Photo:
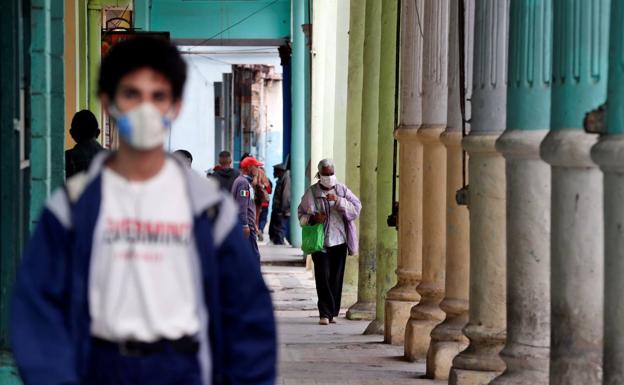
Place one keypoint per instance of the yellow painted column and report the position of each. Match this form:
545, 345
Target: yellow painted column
95, 53
402, 297
447, 339
71, 70
427, 314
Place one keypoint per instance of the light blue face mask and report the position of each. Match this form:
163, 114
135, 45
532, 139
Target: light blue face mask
143, 127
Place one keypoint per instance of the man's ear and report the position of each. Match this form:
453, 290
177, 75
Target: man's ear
105, 103
177, 106
97, 134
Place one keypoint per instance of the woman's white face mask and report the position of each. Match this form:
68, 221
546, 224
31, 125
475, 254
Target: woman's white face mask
328, 181
143, 127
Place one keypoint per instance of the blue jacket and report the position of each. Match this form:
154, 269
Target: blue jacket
243, 193
50, 322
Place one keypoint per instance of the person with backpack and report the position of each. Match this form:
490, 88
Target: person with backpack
333, 205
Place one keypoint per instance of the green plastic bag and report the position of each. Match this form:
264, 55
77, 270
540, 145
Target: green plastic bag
312, 238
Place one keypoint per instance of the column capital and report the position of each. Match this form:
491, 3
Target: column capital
481, 143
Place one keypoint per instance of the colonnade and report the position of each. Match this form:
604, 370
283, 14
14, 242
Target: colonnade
505, 284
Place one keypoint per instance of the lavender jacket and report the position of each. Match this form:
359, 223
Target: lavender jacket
348, 204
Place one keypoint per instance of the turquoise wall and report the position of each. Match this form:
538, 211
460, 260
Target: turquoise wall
263, 19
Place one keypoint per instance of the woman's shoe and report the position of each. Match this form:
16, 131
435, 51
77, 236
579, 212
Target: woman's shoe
324, 321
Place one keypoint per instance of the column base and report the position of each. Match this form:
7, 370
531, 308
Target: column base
8, 371
361, 311
470, 377
417, 339
440, 358
375, 327
397, 314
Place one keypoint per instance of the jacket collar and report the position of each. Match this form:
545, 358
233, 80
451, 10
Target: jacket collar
203, 192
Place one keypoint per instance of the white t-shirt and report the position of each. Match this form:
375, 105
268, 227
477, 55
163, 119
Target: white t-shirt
142, 284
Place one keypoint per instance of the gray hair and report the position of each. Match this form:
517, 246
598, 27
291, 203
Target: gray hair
327, 162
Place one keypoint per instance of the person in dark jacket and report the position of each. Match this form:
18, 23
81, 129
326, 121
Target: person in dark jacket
223, 172
280, 211
137, 271
84, 130
244, 194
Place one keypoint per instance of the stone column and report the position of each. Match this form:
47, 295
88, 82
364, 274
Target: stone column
480, 362
355, 83
402, 297
447, 339
608, 153
427, 314
386, 236
364, 308
579, 85
528, 195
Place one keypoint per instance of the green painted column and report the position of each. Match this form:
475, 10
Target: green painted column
527, 350
386, 245
94, 52
608, 154
83, 57
580, 66
297, 146
355, 82
365, 305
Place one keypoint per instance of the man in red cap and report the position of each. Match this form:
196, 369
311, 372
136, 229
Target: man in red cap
243, 192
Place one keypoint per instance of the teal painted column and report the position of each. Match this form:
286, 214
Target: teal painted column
57, 95
580, 63
40, 106
297, 146
528, 194
141, 10
608, 153
386, 245
365, 305
12, 200
355, 82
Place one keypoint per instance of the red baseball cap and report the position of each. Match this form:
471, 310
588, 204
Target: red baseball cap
250, 161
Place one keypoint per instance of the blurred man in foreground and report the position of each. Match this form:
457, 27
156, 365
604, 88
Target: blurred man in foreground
133, 274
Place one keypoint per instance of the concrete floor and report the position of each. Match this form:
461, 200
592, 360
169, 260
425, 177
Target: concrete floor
311, 354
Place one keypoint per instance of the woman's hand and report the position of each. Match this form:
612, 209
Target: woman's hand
319, 218
331, 197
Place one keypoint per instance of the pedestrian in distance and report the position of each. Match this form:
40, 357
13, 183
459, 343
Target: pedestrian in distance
332, 204
244, 194
280, 210
84, 130
223, 171
185, 156
133, 274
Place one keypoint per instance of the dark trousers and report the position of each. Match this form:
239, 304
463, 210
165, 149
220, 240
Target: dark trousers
109, 367
276, 228
264, 213
329, 272
253, 243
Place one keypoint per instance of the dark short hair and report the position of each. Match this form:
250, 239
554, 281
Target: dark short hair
225, 154
142, 52
84, 126
185, 154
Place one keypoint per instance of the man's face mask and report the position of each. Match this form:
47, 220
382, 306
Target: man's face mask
143, 127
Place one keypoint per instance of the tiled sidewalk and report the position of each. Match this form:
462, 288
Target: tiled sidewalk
311, 354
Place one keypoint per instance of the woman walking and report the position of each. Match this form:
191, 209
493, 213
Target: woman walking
332, 204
